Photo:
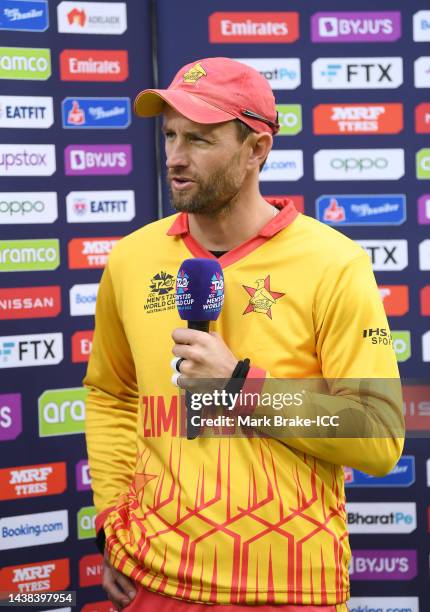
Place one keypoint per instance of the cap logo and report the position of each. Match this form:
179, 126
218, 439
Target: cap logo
194, 74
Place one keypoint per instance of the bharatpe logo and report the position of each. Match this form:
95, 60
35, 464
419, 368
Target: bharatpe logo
86, 519
27, 160
31, 350
423, 164
355, 119
357, 72
62, 412
33, 529
25, 63
383, 565
359, 164
100, 206
29, 255
402, 475
28, 207
83, 299
383, 604
93, 113
424, 254
290, 119
24, 15
92, 17
81, 160
356, 27
93, 65
381, 517
283, 165
256, 27
386, 255
26, 112
422, 72
362, 209
281, 73
421, 21
10, 416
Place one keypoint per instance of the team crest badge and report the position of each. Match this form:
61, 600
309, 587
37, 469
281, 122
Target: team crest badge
194, 74
262, 297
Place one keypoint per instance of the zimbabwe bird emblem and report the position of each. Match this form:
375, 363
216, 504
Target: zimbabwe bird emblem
262, 297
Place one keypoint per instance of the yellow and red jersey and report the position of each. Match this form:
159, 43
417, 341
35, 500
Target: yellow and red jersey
232, 520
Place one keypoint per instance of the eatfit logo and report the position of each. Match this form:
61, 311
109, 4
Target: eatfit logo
81, 160
25, 63
356, 26
357, 72
92, 17
27, 160
354, 119
100, 206
26, 112
93, 65
257, 27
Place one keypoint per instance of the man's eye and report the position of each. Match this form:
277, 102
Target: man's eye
197, 139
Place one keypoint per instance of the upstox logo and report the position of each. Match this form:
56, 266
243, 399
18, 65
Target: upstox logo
25, 63
27, 160
29, 255
289, 118
86, 523
62, 412
31, 350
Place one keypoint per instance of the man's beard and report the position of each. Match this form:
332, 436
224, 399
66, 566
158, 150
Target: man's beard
213, 197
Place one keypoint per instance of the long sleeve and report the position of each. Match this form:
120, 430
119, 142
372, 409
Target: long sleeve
360, 372
111, 408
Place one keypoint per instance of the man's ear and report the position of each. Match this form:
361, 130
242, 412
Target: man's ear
260, 146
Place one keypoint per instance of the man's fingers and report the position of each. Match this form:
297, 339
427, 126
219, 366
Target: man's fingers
184, 350
126, 584
115, 594
183, 335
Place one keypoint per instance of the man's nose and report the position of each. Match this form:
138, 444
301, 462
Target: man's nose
176, 155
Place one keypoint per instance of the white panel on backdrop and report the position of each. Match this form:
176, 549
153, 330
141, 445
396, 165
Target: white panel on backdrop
28, 207
92, 17
26, 112
33, 529
357, 72
281, 72
283, 165
359, 164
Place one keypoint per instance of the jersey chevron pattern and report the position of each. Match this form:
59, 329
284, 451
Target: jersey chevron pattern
231, 520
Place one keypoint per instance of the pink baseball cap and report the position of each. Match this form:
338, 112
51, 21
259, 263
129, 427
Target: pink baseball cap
214, 90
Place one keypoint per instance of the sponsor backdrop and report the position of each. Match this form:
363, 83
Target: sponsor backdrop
78, 172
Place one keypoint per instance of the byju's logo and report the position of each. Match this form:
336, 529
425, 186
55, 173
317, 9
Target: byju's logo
381, 517
81, 160
402, 475
62, 412
93, 65
383, 565
25, 63
424, 209
83, 299
92, 17
362, 209
283, 165
100, 206
258, 27
290, 119
282, 73
31, 350
356, 27
10, 415
33, 529
28, 207
29, 255
357, 73
24, 16
386, 255
26, 112
96, 113
383, 604
83, 476
421, 22
90, 252
27, 160
354, 119
359, 164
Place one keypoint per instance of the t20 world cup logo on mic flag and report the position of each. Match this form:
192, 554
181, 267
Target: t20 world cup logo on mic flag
199, 290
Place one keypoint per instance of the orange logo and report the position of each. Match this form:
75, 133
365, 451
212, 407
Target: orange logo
395, 299
353, 119
262, 298
39, 576
425, 301
82, 343
76, 17
297, 200
422, 118
90, 570
90, 252
334, 212
93, 65
30, 302
32, 480
260, 27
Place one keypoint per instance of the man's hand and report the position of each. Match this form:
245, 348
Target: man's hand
206, 355
119, 588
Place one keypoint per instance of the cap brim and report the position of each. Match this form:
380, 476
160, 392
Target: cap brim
150, 103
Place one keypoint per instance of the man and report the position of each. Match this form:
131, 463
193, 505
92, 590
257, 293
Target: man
230, 521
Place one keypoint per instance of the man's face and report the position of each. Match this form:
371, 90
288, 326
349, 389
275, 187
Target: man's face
206, 164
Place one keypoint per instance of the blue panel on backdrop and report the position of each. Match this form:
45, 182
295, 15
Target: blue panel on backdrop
96, 113
24, 15
403, 475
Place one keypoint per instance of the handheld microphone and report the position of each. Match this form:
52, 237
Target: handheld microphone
199, 294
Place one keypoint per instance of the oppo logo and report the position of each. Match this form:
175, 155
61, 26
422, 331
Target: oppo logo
23, 207
364, 163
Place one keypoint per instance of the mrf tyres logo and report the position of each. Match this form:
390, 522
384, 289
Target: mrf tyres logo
161, 294
31, 350
33, 529
62, 412
355, 119
90, 252
33, 480
53, 575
